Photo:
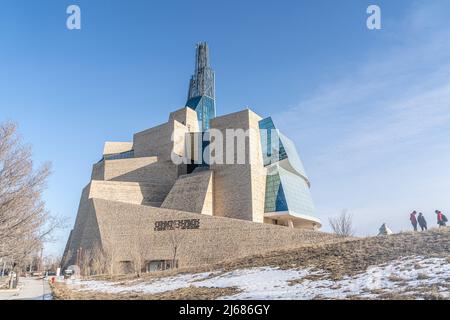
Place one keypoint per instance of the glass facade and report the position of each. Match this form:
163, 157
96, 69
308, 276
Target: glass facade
287, 186
201, 95
205, 108
292, 155
297, 193
117, 156
275, 198
272, 146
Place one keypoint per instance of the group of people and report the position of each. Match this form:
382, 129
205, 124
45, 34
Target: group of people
420, 219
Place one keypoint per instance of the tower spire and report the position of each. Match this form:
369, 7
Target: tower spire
201, 95
202, 82
202, 55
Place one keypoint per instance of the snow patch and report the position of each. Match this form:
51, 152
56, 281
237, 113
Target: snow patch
399, 276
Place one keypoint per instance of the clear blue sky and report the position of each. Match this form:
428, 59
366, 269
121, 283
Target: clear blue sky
368, 110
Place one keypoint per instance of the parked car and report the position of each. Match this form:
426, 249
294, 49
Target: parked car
68, 273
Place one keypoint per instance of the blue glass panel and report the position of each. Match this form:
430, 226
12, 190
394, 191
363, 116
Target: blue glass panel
292, 155
122, 155
271, 153
288, 188
281, 203
205, 108
275, 199
296, 192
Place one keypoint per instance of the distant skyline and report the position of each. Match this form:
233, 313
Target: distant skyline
369, 111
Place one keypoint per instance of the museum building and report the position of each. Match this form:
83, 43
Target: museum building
142, 199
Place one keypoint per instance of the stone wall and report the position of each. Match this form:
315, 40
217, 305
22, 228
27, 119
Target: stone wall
86, 233
145, 193
144, 169
240, 188
187, 117
192, 193
161, 141
120, 207
217, 239
116, 147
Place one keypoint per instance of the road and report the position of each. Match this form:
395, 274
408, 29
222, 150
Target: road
30, 289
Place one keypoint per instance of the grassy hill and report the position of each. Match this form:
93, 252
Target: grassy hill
406, 265
353, 256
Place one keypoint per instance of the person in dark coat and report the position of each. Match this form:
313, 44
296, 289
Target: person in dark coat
422, 222
413, 219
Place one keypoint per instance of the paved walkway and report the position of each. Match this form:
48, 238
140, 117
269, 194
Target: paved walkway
29, 289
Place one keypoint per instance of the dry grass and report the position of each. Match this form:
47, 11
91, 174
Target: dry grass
396, 296
426, 292
353, 256
422, 276
4, 283
346, 258
395, 278
311, 277
62, 292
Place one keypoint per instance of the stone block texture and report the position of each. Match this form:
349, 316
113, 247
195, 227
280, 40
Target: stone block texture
217, 239
192, 193
131, 195
242, 186
117, 147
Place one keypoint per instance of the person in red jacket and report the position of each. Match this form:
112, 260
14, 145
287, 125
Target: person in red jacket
441, 219
413, 219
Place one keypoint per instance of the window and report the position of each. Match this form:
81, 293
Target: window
122, 155
160, 265
271, 154
275, 198
205, 108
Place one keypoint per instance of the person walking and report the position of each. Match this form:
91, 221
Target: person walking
422, 222
413, 219
441, 219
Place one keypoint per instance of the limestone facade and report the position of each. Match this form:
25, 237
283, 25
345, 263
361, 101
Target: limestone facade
139, 196
216, 239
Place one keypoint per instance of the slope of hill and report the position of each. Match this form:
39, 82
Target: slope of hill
402, 266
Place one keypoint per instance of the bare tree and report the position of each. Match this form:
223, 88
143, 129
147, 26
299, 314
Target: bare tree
24, 221
176, 239
110, 249
110, 260
66, 258
343, 225
98, 261
51, 263
84, 262
139, 252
